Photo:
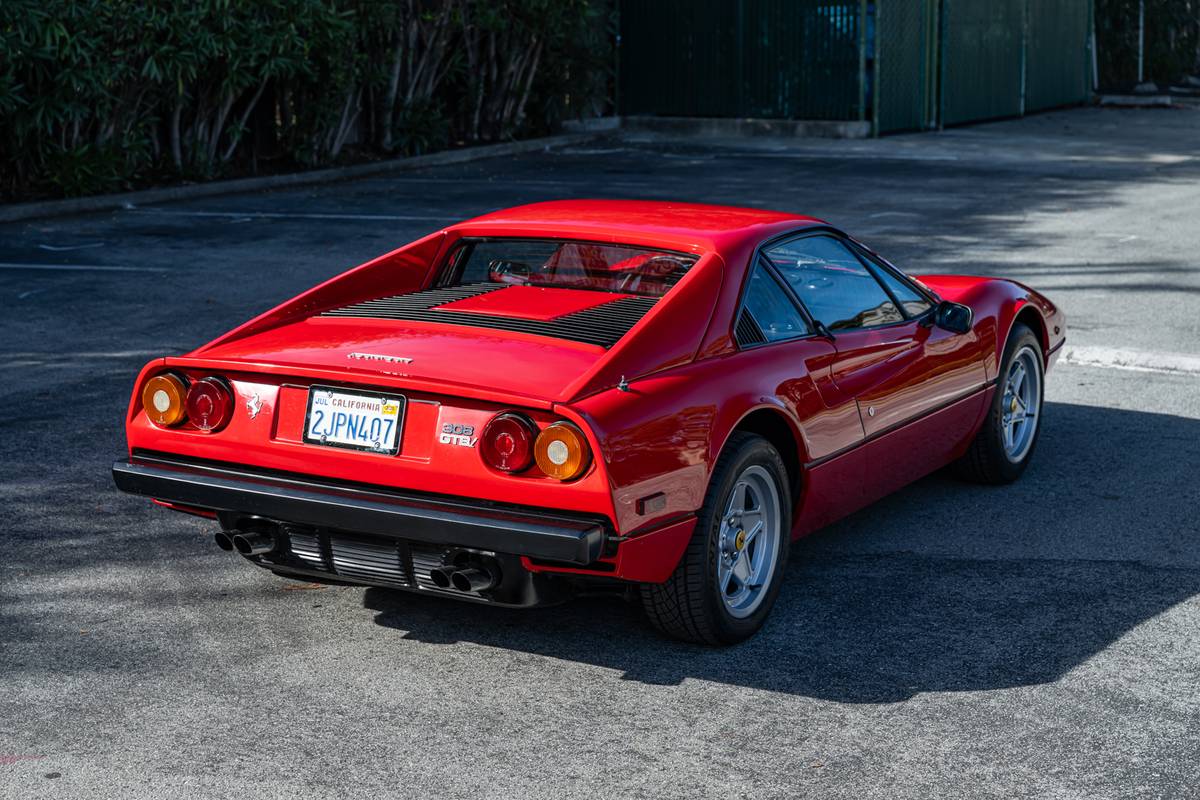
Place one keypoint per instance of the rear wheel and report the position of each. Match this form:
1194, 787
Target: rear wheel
1004, 445
728, 578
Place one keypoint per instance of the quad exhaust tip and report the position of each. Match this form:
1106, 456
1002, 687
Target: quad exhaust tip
224, 540
253, 544
441, 575
472, 579
475, 577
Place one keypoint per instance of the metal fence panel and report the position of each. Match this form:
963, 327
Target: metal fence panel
780, 59
801, 59
677, 58
981, 59
905, 65
921, 62
1057, 53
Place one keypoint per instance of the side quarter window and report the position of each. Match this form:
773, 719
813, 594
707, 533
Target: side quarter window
771, 309
835, 286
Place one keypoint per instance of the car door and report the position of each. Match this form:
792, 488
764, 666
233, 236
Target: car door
903, 371
784, 351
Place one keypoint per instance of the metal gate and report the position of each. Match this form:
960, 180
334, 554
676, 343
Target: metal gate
915, 64
982, 47
780, 59
905, 60
1057, 69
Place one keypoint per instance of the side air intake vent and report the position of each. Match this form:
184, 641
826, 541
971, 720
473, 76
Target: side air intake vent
748, 332
602, 325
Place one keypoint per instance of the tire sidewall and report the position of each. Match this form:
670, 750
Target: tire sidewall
759, 452
1020, 337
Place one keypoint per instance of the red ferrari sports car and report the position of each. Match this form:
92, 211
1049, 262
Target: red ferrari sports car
652, 398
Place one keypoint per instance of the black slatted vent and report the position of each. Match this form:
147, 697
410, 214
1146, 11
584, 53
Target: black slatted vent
748, 332
602, 325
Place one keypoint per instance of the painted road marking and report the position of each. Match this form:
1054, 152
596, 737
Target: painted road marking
79, 267
67, 247
244, 215
72, 360
1133, 360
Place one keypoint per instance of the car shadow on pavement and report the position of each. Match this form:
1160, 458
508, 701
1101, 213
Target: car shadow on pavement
944, 586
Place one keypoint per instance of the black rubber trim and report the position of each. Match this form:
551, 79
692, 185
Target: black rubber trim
381, 512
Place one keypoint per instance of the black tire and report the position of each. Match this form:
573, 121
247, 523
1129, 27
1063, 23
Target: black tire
689, 605
985, 460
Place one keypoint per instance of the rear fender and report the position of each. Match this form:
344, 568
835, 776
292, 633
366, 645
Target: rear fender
660, 440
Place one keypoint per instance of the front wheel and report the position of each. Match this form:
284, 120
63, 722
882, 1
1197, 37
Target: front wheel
1004, 445
728, 578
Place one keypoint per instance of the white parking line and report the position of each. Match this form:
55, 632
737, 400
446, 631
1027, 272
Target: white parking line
833, 155
98, 354
163, 212
73, 360
79, 267
68, 247
1133, 360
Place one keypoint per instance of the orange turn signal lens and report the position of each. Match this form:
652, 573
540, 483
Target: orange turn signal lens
163, 400
562, 452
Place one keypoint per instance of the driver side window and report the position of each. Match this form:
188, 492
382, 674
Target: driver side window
834, 285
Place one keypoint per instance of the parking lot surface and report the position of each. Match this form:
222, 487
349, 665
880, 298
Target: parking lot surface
1038, 640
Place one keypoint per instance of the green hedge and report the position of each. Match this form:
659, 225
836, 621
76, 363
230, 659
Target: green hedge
102, 95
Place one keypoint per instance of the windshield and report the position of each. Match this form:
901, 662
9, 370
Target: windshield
569, 265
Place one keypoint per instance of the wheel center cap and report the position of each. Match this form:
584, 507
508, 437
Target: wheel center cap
739, 541
1012, 406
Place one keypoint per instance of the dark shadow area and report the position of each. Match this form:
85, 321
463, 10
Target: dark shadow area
1014, 609
943, 586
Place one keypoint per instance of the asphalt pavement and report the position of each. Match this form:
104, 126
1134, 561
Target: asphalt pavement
1038, 640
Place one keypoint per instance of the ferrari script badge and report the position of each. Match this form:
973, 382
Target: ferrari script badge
377, 357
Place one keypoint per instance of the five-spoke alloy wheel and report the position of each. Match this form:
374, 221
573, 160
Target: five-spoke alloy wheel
1004, 445
728, 578
748, 541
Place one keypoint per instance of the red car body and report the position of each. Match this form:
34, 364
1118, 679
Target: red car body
854, 417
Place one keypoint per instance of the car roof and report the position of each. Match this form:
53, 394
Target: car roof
646, 222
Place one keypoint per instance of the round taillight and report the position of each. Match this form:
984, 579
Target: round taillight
163, 400
507, 442
209, 404
562, 452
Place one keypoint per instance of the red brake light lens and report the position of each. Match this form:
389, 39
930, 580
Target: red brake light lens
209, 404
507, 442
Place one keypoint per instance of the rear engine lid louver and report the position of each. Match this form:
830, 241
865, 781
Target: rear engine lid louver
602, 325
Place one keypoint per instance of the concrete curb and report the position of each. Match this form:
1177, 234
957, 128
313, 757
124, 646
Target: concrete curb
728, 127
108, 202
1136, 100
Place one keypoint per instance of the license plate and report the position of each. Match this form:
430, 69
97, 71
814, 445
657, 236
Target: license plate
355, 420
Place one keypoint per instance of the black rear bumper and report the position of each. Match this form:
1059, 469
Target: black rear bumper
370, 510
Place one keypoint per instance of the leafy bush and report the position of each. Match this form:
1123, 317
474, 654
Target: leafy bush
100, 95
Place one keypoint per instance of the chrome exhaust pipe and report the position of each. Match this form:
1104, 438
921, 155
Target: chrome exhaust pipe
473, 579
224, 540
254, 543
441, 575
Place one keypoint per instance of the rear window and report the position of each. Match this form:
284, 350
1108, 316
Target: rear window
568, 265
